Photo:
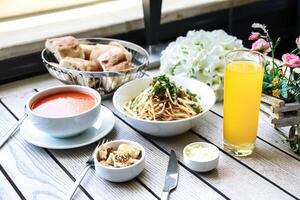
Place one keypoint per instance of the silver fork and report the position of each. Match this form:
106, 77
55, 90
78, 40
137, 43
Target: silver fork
89, 164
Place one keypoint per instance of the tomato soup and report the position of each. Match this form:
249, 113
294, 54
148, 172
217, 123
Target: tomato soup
63, 104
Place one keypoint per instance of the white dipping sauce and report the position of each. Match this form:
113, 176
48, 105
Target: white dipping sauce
201, 151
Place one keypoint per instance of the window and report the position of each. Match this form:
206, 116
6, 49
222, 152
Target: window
12, 9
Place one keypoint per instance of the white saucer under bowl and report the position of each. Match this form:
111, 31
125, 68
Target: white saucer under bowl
100, 128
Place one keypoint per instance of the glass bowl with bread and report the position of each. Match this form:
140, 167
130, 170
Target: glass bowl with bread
100, 63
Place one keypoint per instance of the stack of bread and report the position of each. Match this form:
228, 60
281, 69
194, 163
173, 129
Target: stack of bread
84, 57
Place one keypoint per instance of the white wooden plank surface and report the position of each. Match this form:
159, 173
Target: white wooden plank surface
156, 164
26, 84
153, 177
6, 190
267, 161
189, 186
229, 174
271, 163
33, 171
75, 162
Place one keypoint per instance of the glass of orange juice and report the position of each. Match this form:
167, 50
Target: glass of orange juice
242, 91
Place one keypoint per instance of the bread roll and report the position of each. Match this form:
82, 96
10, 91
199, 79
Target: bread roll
98, 50
122, 66
127, 53
114, 60
87, 49
132, 150
79, 64
62, 47
110, 58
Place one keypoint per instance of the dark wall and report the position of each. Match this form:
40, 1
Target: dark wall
281, 17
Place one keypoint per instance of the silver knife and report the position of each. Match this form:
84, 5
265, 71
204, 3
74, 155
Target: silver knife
171, 176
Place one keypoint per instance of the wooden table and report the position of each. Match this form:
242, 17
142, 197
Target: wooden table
29, 172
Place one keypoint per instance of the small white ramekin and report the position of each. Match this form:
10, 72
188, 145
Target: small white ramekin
201, 165
120, 174
63, 127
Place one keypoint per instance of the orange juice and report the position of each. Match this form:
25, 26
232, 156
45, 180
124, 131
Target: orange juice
242, 92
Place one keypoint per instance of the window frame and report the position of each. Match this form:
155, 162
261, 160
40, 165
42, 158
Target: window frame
195, 16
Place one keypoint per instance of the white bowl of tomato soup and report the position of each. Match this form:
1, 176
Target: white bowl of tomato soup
64, 111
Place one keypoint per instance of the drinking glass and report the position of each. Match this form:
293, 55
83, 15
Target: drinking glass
242, 92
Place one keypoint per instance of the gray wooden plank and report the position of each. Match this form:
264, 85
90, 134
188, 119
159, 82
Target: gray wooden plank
265, 131
33, 171
74, 163
6, 189
156, 164
270, 162
25, 84
230, 173
152, 177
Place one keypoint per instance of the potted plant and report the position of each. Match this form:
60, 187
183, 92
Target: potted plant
281, 82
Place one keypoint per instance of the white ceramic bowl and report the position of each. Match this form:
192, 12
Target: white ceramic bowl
62, 127
202, 164
120, 174
163, 128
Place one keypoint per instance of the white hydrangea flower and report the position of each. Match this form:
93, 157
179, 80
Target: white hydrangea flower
200, 55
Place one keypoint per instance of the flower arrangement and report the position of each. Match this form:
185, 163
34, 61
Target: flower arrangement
200, 55
280, 80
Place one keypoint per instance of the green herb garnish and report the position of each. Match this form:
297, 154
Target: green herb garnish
196, 108
161, 84
134, 102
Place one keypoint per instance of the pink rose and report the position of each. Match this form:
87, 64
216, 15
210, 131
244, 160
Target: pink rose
291, 60
298, 42
254, 36
261, 45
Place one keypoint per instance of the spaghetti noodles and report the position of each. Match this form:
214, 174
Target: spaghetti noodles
164, 101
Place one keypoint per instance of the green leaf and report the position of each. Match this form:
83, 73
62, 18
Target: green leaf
277, 42
268, 78
296, 88
296, 76
267, 85
298, 98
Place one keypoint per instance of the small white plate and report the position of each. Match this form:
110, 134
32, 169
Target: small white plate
100, 128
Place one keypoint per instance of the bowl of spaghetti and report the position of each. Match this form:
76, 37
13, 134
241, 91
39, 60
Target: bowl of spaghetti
163, 105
